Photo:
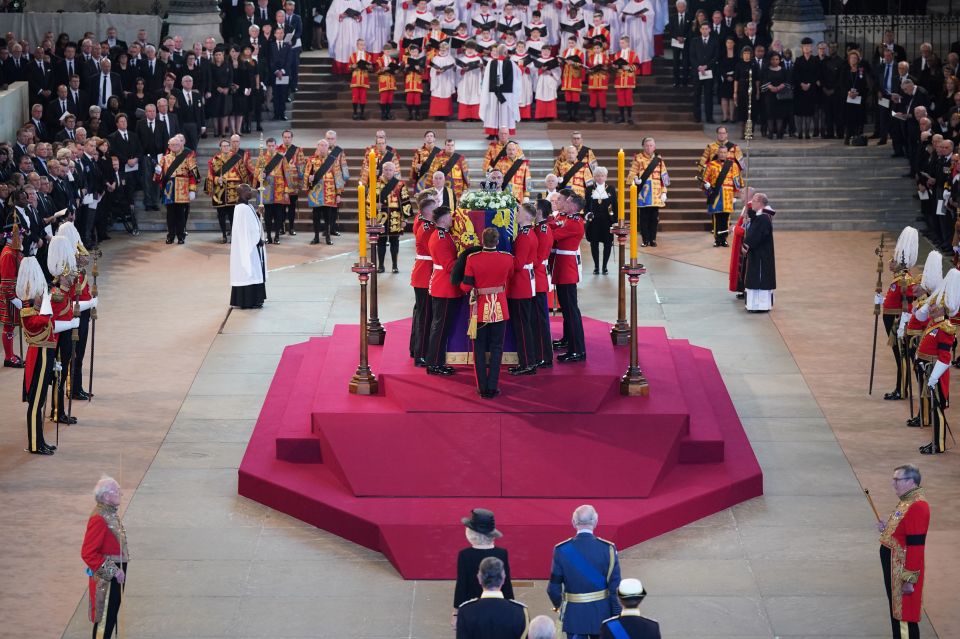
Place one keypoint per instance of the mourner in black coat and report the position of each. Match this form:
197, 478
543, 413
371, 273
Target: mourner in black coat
601, 213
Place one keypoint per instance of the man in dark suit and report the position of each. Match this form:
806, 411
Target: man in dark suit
704, 55
93, 177
153, 136
152, 70
44, 133
168, 119
40, 78
491, 616
926, 69
59, 193
915, 101
69, 65
899, 53
125, 145
20, 146
246, 20
887, 83
89, 63
105, 84
69, 130
78, 99
15, 67
56, 107
263, 13
113, 41
293, 28
282, 58
190, 112
751, 38
678, 30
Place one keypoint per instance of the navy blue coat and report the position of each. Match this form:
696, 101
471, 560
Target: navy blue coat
585, 564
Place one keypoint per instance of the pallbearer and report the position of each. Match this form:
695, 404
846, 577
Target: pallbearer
325, 184
393, 213
445, 298
104, 551
568, 230
893, 302
423, 228
721, 183
541, 275
522, 291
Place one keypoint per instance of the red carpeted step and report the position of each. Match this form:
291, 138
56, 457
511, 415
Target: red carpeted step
704, 443
295, 442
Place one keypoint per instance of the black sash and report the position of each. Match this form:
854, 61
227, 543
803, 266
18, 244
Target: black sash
647, 172
386, 190
272, 164
291, 150
335, 152
508, 176
499, 156
387, 157
452, 162
326, 166
428, 162
229, 164
506, 86
570, 173
718, 187
177, 161
584, 150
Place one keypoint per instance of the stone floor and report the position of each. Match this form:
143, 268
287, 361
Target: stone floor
179, 384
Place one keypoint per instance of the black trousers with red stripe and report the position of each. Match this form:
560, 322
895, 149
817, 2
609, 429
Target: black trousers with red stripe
541, 328
572, 320
443, 311
488, 354
420, 330
521, 316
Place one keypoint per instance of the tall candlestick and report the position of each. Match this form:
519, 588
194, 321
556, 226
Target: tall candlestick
633, 222
621, 194
372, 190
362, 202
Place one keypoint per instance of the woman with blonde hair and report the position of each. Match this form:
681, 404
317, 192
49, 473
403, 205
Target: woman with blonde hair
482, 533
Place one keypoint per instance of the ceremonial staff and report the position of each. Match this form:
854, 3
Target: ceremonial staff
872, 505
748, 128
876, 316
95, 271
17, 246
904, 343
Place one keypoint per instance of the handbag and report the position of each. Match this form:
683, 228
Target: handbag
786, 93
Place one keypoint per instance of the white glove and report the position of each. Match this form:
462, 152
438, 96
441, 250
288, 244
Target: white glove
157, 170
193, 196
94, 302
75, 322
85, 305
946, 194
56, 366
664, 196
60, 326
922, 313
938, 370
877, 298
17, 302
904, 318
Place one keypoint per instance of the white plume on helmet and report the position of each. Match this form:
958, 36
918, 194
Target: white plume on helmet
947, 295
932, 272
908, 244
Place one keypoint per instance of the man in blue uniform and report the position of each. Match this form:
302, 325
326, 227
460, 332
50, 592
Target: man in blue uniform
491, 616
584, 578
629, 624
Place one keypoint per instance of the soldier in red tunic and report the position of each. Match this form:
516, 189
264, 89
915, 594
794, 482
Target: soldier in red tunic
104, 551
423, 228
568, 230
487, 273
10, 258
897, 300
912, 328
902, 542
444, 296
522, 292
541, 324
62, 265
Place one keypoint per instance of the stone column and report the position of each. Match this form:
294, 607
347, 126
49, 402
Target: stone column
794, 20
194, 20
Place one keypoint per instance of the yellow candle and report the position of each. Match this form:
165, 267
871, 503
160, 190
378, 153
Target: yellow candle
372, 191
633, 221
621, 194
362, 202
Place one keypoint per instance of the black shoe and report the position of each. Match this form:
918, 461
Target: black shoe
445, 371
381, 269
49, 447
16, 362
276, 240
41, 451
223, 240
420, 362
181, 241
928, 450
559, 343
653, 243
596, 271
892, 396
547, 363
914, 422
282, 232
81, 395
571, 357
293, 231
740, 296
605, 272
315, 240
336, 233
523, 370
395, 270
66, 419
490, 394
169, 240
329, 242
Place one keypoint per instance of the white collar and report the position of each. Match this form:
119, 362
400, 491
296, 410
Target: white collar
491, 594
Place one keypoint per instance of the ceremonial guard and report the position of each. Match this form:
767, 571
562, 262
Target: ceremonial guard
104, 551
424, 159
492, 616
568, 230
902, 543
454, 168
517, 175
896, 301
40, 332
393, 213
273, 175
62, 265
571, 80
225, 172
486, 274
649, 172
629, 624
584, 577
522, 291
734, 152
574, 172
420, 275
10, 258
178, 177
496, 156
86, 301
626, 67
912, 328
544, 284
325, 182
444, 296
383, 152
297, 161
721, 183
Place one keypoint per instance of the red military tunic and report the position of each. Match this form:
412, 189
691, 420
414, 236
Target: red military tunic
104, 550
936, 345
9, 267
61, 300
38, 333
443, 252
523, 282
488, 271
893, 299
423, 263
567, 234
905, 536
915, 326
544, 248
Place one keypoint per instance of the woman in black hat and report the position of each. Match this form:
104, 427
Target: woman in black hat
482, 533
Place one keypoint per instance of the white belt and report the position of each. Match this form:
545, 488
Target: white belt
424, 257
529, 267
561, 252
438, 267
546, 262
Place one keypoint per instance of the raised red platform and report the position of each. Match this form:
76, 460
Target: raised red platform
396, 471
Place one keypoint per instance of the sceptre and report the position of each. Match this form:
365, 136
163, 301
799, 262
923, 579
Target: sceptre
876, 311
95, 271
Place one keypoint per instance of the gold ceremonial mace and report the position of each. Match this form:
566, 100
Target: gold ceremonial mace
748, 128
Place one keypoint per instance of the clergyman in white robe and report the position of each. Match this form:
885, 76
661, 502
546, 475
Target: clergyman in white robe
248, 259
494, 113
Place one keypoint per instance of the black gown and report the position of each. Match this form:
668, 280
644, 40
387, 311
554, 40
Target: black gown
468, 564
761, 271
728, 69
805, 71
